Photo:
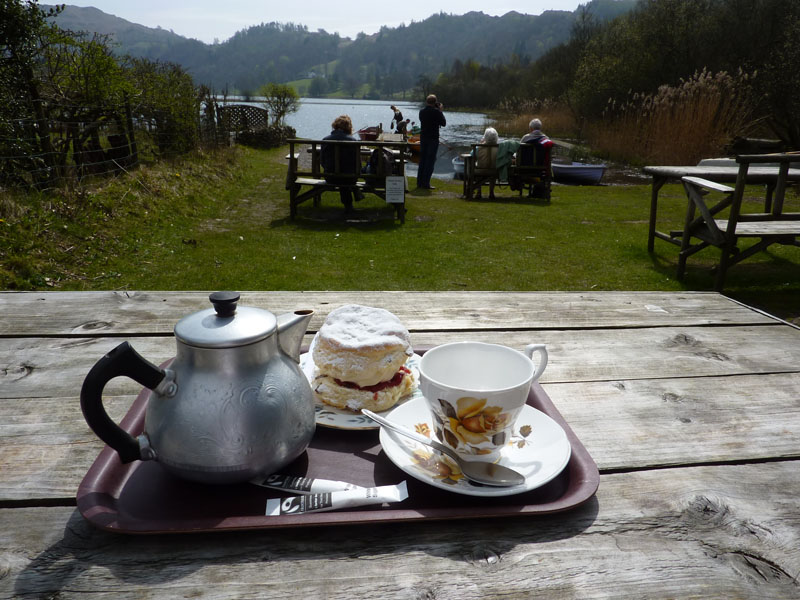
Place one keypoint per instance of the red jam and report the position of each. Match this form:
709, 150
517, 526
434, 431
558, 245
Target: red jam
381, 385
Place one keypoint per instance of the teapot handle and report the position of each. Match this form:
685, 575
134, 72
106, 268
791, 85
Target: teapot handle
122, 360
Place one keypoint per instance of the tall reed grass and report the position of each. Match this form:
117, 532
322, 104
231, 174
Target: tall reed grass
678, 124
557, 119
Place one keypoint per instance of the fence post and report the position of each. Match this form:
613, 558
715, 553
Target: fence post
134, 152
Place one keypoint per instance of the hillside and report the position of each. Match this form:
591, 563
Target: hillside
390, 60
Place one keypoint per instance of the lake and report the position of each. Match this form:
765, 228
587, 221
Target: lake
313, 120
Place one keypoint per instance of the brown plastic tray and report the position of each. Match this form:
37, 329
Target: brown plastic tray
141, 497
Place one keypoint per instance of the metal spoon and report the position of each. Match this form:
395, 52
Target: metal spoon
480, 472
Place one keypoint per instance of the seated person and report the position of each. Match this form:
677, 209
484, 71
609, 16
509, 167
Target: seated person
349, 159
486, 155
535, 134
534, 150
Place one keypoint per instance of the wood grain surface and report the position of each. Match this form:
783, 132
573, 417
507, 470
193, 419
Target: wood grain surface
688, 402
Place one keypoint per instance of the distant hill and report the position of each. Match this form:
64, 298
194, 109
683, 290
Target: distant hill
390, 60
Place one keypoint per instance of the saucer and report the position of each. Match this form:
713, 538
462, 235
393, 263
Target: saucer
539, 449
338, 418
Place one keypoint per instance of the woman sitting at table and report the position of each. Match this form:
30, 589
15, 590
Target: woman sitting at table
349, 159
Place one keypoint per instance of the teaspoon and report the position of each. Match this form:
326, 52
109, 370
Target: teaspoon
485, 473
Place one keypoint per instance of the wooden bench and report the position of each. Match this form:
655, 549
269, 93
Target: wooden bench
305, 183
531, 169
480, 169
773, 226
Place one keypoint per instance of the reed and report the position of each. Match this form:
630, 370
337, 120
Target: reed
557, 119
678, 124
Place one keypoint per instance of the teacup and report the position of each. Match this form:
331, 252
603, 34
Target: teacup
476, 391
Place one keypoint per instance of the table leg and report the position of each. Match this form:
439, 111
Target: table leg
658, 182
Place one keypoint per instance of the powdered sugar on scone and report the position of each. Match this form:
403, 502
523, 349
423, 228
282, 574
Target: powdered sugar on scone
362, 344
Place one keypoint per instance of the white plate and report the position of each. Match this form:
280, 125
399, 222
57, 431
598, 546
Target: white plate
539, 449
338, 418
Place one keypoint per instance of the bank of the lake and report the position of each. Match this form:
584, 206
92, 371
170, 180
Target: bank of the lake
221, 220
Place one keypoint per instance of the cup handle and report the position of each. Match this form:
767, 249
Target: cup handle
542, 351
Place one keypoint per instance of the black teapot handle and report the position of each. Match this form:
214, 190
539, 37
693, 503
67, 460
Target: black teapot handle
122, 360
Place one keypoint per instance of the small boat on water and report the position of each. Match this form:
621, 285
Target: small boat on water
458, 167
578, 173
413, 144
370, 134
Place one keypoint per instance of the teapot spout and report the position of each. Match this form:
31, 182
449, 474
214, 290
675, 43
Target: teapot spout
291, 329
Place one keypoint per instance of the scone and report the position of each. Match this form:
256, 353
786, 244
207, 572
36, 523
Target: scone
360, 354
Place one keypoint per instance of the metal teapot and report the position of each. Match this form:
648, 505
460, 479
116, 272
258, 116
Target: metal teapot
231, 406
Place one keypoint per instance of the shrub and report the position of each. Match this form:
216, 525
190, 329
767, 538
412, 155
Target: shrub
270, 137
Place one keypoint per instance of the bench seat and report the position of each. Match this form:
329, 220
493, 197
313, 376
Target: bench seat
773, 227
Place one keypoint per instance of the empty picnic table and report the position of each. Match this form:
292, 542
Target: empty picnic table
766, 175
688, 403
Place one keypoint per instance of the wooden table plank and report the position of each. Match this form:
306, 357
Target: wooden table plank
705, 532
46, 447
155, 313
689, 403
44, 367
647, 423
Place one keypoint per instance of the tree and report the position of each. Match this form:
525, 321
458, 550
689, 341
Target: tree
318, 87
24, 132
280, 100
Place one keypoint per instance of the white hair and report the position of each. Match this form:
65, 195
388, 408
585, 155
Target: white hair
490, 136
535, 124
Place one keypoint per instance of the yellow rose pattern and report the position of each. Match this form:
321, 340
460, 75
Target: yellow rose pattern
442, 467
471, 424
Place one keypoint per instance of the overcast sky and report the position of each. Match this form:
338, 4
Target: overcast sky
206, 20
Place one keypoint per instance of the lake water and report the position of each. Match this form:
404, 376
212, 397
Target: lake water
313, 120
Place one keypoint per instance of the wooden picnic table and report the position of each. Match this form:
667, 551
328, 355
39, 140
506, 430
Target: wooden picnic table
766, 175
689, 403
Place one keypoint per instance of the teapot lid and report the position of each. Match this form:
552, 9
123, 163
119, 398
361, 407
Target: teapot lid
226, 325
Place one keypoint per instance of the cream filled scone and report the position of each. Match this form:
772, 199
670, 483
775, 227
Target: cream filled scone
360, 354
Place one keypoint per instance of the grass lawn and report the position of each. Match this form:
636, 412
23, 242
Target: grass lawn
221, 221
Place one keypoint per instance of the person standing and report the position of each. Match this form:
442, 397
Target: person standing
431, 118
397, 117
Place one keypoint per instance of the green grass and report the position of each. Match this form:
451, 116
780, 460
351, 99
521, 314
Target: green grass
221, 221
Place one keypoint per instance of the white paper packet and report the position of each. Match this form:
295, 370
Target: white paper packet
296, 505
304, 485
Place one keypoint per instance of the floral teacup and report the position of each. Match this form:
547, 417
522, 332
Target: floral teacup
476, 391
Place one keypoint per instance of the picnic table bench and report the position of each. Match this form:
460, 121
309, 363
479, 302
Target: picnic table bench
764, 174
773, 226
686, 401
387, 181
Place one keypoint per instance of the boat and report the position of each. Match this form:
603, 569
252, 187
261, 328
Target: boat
578, 173
458, 167
370, 134
413, 144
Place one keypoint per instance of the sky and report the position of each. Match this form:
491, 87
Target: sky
210, 20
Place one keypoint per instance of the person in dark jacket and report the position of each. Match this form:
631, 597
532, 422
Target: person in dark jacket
349, 159
397, 117
431, 118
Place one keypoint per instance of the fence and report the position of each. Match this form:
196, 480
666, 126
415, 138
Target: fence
74, 144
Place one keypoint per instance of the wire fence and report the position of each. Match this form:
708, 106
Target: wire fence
72, 145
